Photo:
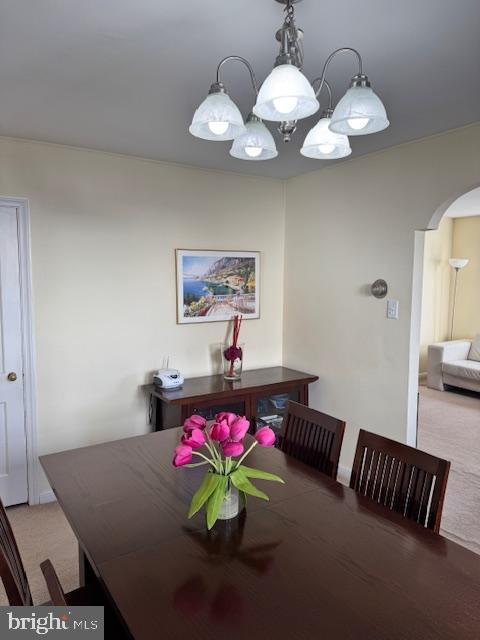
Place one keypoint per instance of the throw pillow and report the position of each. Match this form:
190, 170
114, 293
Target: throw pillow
474, 353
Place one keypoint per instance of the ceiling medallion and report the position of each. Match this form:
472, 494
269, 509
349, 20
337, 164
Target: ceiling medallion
287, 96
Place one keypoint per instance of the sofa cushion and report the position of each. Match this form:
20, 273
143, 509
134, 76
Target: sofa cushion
467, 369
474, 353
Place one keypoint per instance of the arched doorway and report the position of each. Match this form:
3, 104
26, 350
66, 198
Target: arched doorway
449, 414
433, 220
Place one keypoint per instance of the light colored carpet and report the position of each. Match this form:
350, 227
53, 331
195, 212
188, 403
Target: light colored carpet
43, 532
449, 427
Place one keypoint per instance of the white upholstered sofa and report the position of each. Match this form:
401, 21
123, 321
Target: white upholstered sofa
455, 363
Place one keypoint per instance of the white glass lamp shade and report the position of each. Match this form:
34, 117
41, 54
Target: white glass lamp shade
217, 118
286, 94
458, 263
256, 143
359, 112
323, 144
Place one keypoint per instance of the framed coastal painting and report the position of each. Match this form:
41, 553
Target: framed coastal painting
217, 285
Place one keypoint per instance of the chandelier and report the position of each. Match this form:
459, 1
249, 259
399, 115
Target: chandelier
287, 96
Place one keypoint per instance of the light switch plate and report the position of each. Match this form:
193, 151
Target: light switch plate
392, 309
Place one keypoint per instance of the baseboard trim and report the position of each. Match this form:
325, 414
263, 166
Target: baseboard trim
343, 474
47, 496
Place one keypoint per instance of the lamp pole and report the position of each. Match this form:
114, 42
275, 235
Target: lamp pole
457, 264
457, 269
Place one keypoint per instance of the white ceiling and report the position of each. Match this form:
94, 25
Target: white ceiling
126, 75
465, 206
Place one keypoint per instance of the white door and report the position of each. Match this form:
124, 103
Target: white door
13, 446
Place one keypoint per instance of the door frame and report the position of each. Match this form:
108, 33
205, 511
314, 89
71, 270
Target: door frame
28, 341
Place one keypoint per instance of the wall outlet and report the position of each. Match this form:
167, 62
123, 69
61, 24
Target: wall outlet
392, 309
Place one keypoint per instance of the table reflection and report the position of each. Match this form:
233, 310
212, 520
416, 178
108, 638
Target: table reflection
223, 545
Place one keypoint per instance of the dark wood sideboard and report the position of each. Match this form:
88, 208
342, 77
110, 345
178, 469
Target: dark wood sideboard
261, 395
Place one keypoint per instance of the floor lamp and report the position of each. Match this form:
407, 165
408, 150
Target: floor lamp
457, 264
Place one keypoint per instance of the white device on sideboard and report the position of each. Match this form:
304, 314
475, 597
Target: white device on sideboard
167, 378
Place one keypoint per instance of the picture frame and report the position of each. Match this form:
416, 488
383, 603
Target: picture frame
214, 285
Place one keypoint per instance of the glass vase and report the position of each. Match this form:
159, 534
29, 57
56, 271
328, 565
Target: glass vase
232, 503
232, 361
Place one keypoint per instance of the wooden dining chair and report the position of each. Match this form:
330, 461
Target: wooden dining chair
14, 577
12, 570
312, 437
401, 478
55, 589
90, 595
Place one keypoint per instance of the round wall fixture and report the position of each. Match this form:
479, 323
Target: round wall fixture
379, 288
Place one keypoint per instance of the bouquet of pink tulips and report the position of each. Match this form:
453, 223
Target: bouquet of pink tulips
224, 452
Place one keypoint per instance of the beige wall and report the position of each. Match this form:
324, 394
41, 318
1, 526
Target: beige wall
466, 244
437, 272
104, 230
346, 226
455, 237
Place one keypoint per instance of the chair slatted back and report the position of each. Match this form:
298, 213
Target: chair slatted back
312, 437
12, 570
401, 478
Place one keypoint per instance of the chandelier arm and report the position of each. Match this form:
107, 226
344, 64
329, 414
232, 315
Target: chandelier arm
253, 78
330, 58
327, 87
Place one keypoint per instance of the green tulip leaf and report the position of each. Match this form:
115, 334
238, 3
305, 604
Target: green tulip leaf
208, 486
242, 483
261, 475
215, 501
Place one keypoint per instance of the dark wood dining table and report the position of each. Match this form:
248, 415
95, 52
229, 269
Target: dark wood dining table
317, 561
